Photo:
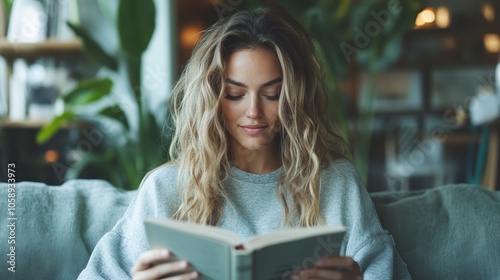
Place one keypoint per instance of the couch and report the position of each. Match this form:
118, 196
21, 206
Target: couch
449, 232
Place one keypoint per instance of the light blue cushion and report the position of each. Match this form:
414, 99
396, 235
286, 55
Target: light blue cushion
451, 232
58, 227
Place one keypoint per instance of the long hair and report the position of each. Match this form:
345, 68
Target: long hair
200, 146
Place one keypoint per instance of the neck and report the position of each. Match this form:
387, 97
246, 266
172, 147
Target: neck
257, 162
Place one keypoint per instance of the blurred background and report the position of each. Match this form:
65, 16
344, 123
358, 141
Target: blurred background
415, 83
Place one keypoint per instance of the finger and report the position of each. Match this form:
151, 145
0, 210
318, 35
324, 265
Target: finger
339, 263
185, 276
148, 258
162, 270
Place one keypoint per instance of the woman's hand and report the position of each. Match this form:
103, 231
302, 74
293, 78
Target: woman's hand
331, 268
154, 264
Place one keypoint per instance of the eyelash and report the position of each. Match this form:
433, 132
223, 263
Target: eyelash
238, 97
230, 97
273, 97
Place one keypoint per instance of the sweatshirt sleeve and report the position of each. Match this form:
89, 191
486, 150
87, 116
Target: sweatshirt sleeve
118, 250
346, 201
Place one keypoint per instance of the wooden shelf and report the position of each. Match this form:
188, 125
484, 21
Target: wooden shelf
24, 123
28, 123
32, 51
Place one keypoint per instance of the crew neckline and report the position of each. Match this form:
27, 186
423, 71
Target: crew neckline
248, 177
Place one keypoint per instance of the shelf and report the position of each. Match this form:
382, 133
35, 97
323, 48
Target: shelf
6, 123
23, 124
32, 51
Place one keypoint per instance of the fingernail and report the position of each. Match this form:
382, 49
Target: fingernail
194, 274
165, 253
183, 264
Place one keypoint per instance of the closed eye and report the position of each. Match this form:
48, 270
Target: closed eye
272, 97
233, 97
272, 94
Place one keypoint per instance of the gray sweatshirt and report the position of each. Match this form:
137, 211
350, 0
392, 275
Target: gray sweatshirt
253, 209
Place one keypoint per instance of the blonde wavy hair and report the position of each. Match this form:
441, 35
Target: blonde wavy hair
309, 142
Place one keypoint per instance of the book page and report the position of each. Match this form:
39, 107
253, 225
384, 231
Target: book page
288, 235
209, 232
281, 260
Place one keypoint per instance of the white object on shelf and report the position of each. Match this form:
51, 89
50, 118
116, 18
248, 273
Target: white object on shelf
17, 96
3, 87
67, 10
484, 108
28, 22
41, 112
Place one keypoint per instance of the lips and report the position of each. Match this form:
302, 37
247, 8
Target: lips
253, 129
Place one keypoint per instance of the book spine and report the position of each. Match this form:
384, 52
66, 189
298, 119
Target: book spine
241, 266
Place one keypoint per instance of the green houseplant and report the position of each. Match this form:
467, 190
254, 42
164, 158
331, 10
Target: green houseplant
366, 34
131, 136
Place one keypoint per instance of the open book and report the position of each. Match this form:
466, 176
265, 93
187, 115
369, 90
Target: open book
219, 254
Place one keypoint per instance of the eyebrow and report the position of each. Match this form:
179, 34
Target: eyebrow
266, 84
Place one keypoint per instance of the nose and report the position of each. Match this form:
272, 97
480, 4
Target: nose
254, 109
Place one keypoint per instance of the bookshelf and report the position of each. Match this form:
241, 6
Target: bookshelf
452, 64
32, 51
17, 143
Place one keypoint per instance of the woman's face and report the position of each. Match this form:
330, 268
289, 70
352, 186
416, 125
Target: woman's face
250, 100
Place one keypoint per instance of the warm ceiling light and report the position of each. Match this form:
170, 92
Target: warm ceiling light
428, 15
190, 36
424, 17
492, 43
442, 17
419, 21
488, 12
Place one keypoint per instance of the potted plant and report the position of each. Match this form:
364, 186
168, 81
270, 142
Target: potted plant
115, 104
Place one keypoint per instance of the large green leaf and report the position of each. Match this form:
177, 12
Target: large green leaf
51, 128
93, 49
115, 112
89, 91
136, 23
329, 43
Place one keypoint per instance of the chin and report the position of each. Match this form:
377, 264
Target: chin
254, 146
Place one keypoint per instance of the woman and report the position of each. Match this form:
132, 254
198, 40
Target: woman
254, 150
